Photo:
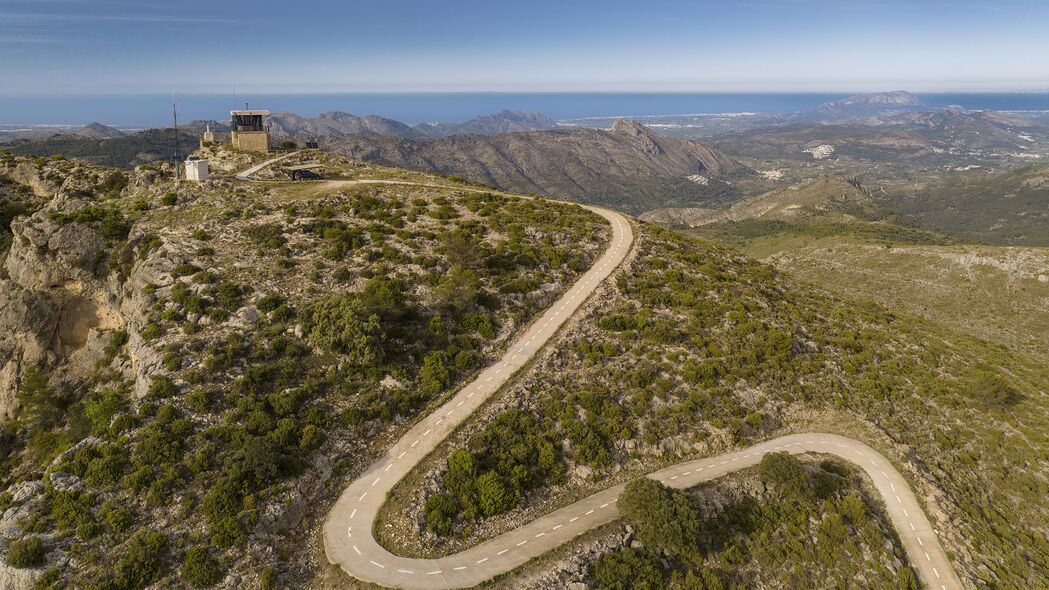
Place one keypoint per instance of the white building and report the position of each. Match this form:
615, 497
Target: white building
196, 170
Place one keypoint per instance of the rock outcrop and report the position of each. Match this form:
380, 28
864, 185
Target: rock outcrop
59, 301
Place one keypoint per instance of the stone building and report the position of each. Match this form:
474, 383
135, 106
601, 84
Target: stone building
249, 131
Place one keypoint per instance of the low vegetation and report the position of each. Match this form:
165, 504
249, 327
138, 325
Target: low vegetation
785, 524
699, 350
993, 292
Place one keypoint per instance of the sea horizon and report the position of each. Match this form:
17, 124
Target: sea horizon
150, 110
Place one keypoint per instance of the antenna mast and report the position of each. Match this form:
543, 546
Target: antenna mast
174, 114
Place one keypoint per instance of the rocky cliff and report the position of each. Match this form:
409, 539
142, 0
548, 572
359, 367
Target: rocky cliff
71, 281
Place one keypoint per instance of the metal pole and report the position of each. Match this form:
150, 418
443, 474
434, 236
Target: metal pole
174, 114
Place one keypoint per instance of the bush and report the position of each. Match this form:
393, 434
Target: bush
117, 518
229, 295
992, 391
435, 375
199, 569
629, 569
268, 578
440, 512
492, 495
162, 387
141, 563
339, 323
666, 519
786, 473
27, 552
101, 407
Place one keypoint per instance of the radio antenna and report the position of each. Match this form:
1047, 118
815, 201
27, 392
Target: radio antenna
174, 115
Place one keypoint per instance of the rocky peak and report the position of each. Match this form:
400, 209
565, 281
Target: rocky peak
633, 129
99, 131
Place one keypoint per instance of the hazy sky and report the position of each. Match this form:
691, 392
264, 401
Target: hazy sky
62, 47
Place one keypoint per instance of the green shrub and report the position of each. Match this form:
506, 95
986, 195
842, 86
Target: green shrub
440, 512
786, 473
162, 387
312, 439
268, 578
100, 408
142, 560
434, 376
70, 509
26, 552
229, 295
629, 569
492, 495
199, 569
184, 269
666, 519
116, 518
339, 323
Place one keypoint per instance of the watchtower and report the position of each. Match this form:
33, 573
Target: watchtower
249, 131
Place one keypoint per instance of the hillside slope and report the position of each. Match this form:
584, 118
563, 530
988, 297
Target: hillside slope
1007, 208
699, 350
819, 231
124, 151
189, 375
827, 197
629, 167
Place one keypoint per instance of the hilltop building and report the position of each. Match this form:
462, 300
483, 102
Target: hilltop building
249, 131
197, 169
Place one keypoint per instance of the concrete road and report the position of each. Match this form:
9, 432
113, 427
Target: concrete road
246, 175
348, 538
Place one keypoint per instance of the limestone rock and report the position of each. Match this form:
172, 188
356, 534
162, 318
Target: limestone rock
18, 579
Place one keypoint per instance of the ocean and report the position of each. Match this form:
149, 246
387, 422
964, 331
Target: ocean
135, 111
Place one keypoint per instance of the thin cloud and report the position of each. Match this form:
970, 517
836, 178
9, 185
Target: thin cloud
30, 40
35, 18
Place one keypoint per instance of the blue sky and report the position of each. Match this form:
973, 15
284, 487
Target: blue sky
70, 47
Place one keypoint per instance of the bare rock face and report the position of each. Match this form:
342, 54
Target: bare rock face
640, 134
18, 579
46, 252
54, 307
23, 495
31, 176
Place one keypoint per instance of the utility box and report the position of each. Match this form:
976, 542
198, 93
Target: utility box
197, 170
249, 131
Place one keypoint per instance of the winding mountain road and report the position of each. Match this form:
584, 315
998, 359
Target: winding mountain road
350, 543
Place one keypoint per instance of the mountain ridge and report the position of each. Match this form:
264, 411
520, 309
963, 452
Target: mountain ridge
629, 166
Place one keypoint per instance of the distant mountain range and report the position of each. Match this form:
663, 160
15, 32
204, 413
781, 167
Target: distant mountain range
629, 167
622, 163
339, 124
106, 146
